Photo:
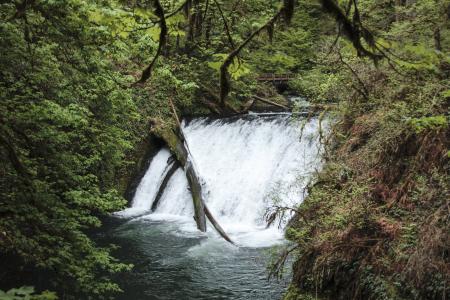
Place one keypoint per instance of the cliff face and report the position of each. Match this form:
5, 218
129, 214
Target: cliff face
376, 222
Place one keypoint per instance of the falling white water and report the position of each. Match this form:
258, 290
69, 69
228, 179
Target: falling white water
149, 185
245, 165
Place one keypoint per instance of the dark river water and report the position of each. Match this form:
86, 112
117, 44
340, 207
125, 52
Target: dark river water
168, 264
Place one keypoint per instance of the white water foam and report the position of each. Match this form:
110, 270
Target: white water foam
245, 165
148, 187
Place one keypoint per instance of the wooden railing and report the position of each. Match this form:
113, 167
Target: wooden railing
276, 77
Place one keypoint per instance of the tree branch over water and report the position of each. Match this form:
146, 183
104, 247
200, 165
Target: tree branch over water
159, 11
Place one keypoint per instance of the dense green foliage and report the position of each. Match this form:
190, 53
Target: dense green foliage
64, 131
73, 118
26, 293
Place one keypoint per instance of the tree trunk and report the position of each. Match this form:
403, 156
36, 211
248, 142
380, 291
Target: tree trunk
208, 31
178, 146
437, 39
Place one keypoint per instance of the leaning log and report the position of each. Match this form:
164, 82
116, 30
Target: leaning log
197, 197
177, 145
181, 150
175, 165
217, 226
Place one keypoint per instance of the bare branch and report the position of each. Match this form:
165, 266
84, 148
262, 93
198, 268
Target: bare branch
364, 92
224, 80
227, 28
159, 11
353, 29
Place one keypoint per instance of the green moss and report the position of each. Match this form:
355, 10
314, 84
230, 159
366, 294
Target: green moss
294, 293
429, 123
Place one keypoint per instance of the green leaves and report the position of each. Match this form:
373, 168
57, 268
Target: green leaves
429, 123
446, 94
420, 58
174, 25
69, 123
237, 69
120, 22
26, 293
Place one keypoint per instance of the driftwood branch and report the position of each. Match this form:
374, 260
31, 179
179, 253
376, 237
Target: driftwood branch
175, 165
271, 103
217, 226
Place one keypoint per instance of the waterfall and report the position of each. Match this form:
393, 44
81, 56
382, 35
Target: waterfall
245, 164
148, 187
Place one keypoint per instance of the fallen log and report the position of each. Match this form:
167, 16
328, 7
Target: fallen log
177, 144
175, 165
197, 197
271, 103
184, 156
200, 208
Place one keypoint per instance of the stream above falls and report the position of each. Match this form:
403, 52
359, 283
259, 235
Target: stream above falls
246, 164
